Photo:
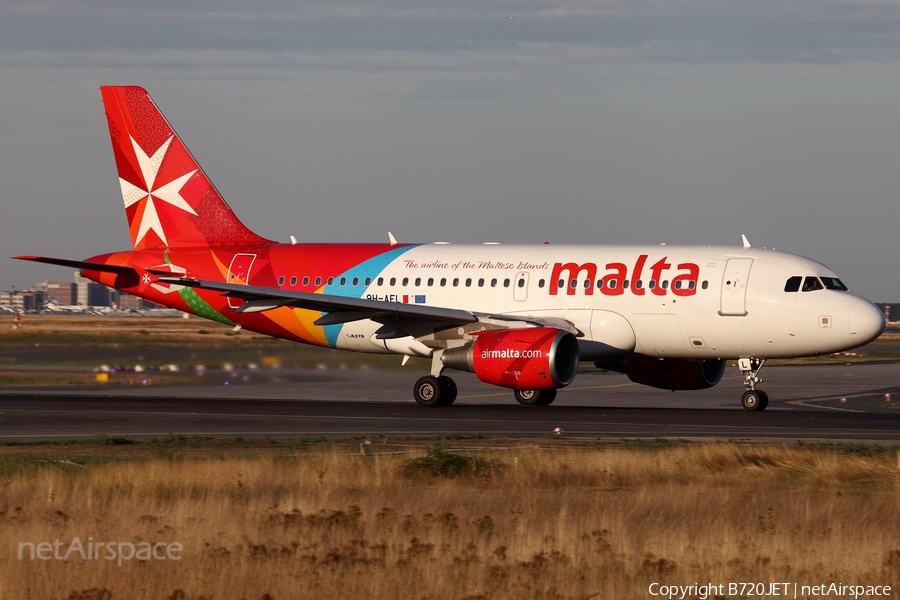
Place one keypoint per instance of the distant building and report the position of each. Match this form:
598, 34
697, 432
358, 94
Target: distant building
12, 300
24, 300
89, 293
62, 292
129, 302
891, 311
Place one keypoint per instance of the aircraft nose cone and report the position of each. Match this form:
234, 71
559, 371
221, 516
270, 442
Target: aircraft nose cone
866, 322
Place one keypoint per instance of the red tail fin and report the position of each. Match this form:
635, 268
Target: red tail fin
169, 200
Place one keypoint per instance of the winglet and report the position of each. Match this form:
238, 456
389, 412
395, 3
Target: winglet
392, 238
746, 242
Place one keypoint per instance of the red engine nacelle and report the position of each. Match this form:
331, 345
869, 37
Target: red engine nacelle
539, 358
675, 373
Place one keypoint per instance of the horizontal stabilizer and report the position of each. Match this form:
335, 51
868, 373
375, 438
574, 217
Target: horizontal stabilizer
92, 266
80, 264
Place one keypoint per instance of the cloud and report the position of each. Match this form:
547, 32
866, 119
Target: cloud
685, 30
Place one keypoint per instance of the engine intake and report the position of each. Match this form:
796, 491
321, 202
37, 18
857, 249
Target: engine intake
538, 358
675, 373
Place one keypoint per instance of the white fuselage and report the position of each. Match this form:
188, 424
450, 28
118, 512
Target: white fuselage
663, 301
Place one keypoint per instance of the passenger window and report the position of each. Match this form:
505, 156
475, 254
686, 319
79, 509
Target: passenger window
704, 285
368, 281
651, 284
293, 281
455, 281
692, 284
665, 284
677, 285
318, 281
481, 283
443, 281
793, 284
559, 284
281, 280
468, 282
625, 284
380, 281
418, 281
331, 281
405, 282
430, 281
306, 281
506, 283
638, 284
540, 283
599, 283
355, 281
393, 281
573, 284
521, 283
343, 281
494, 282
612, 284
811, 284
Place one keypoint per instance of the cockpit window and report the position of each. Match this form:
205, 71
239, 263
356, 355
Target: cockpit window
810, 284
793, 284
833, 283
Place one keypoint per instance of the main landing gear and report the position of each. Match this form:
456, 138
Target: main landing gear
435, 391
753, 399
441, 391
535, 397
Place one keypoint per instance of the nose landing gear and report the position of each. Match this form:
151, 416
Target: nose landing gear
753, 399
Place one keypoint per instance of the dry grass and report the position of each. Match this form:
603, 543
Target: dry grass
538, 523
81, 330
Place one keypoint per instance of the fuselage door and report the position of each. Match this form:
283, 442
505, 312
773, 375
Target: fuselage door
239, 273
734, 287
520, 286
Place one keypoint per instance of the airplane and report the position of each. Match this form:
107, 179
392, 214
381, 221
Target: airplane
517, 316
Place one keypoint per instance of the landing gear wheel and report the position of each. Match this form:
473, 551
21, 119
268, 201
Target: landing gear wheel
547, 397
754, 400
535, 397
428, 391
448, 391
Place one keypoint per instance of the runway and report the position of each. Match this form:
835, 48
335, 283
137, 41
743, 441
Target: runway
805, 405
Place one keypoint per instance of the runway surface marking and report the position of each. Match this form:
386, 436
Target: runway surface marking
803, 401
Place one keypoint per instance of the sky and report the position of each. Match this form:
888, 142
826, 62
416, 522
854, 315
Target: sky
620, 122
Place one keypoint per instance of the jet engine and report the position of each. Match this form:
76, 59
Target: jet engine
675, 373
538, 358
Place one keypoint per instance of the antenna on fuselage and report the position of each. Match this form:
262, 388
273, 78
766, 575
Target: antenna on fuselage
392, 238
745, 240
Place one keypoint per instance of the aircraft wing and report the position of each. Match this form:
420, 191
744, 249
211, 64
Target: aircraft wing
341, 309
